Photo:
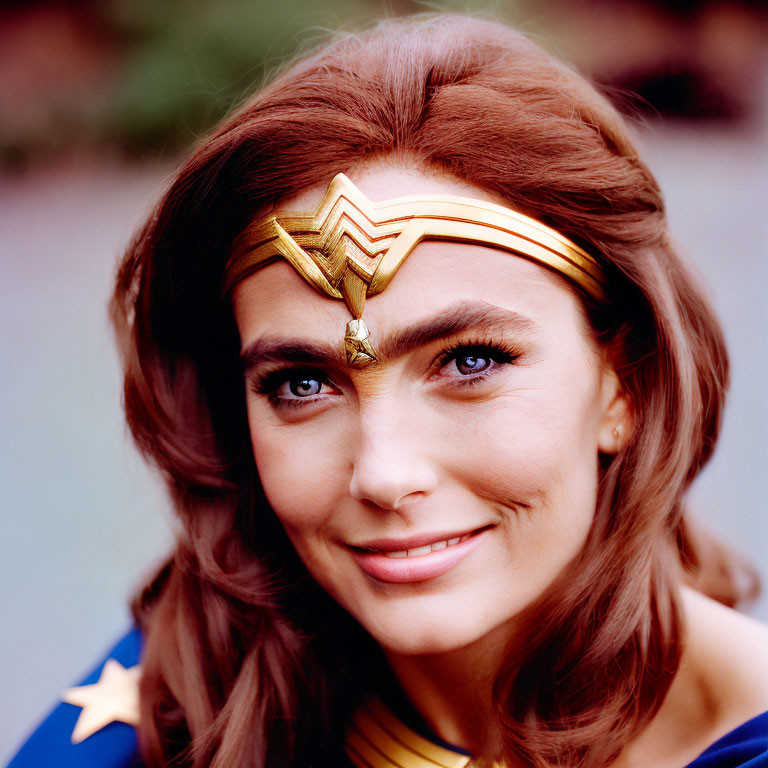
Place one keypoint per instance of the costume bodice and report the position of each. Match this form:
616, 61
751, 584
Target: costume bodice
99, 716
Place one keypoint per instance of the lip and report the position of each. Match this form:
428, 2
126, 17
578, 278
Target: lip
402, 570
392, 544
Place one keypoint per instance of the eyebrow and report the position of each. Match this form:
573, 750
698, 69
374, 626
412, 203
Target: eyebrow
477, 316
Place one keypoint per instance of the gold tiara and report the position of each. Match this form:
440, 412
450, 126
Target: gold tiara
350, 247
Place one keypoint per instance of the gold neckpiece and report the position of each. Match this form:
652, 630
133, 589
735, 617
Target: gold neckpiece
377, 739
350, 247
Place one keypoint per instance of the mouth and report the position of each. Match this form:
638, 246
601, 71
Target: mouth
416, 558
416, 546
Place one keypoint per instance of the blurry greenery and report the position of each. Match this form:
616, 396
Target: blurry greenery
173, 68
188, 62
185, 63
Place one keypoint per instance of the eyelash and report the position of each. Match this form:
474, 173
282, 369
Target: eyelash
499, 353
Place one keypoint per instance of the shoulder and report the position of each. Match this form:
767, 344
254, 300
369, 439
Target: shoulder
93, 725
715, 714
729, 652
726, 659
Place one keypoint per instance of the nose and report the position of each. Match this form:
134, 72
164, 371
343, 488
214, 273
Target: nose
390, 466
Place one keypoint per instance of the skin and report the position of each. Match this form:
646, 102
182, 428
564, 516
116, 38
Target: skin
406, 447
722, 683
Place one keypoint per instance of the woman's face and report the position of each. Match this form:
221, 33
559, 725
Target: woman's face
486, 425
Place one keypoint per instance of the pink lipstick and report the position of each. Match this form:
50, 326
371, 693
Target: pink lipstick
416, 558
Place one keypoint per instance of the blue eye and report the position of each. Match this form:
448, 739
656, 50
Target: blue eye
471, 363
291, 386
304, 386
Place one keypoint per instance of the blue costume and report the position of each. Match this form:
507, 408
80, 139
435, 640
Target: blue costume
745, 747
115, 745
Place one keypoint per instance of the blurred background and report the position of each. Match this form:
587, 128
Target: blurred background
100, 100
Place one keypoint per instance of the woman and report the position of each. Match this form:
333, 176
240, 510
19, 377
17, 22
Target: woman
456, 528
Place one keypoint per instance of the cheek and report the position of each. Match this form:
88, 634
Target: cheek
535, 451
301, 470
534, 439
538, 469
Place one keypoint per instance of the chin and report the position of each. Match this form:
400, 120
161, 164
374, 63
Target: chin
409, 636
426, 643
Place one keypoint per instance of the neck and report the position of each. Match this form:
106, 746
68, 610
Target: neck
452, 690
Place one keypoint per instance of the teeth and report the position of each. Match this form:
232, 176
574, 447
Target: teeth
427, 548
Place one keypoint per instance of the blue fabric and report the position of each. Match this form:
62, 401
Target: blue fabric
744, 747
114, 746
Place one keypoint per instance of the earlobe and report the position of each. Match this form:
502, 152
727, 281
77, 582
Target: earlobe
616, 421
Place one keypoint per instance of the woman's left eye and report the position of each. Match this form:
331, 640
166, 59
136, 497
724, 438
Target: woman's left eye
471, 364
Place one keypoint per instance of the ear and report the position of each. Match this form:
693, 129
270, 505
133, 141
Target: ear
617, 415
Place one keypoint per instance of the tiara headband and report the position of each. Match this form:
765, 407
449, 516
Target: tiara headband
350, 247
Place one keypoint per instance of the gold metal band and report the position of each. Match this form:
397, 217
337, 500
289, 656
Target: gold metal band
350, 247
377, 739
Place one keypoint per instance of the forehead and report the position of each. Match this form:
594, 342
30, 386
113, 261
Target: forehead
434, 277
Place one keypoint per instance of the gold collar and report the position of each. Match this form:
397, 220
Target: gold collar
377, 739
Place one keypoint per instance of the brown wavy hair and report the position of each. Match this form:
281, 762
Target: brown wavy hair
247, 662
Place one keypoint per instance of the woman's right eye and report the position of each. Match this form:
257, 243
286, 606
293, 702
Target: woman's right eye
301, 386
294, 387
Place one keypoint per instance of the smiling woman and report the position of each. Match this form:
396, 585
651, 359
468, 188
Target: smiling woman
454, 532
458, 474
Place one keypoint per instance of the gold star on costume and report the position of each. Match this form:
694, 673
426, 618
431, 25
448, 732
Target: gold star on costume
114, 698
